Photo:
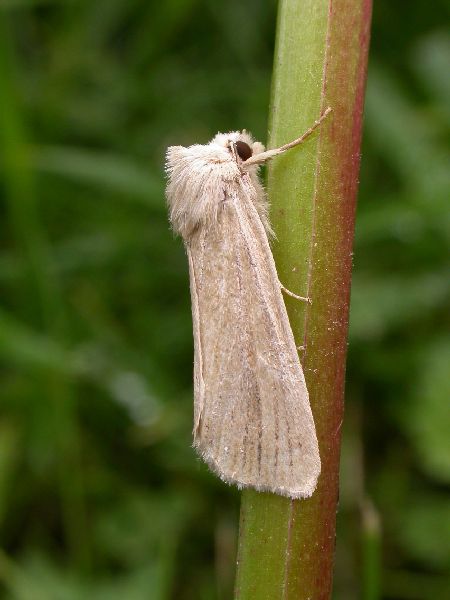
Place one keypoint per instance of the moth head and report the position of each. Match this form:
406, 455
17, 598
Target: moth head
239, 144
199, 176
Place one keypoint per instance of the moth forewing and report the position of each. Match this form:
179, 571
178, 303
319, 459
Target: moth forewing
252, 419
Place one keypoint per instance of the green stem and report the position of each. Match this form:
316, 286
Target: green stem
371, 551
286, 548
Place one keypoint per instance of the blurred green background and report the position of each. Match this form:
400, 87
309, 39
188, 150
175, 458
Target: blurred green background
101, 495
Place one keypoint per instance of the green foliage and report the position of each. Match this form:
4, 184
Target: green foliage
101, 495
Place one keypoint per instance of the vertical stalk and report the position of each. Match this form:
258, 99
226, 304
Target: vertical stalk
371, 551
286, 547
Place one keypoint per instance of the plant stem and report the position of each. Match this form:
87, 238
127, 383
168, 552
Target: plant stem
286, 547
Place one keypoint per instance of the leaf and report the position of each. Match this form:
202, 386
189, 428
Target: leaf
110, 171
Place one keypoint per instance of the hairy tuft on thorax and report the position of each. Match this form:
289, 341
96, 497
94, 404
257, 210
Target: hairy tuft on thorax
202, 177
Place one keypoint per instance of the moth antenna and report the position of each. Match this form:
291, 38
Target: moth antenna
265, 156
296, 296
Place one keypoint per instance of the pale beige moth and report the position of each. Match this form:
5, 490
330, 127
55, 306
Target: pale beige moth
252, 418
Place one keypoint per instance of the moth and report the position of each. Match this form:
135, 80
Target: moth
253, 424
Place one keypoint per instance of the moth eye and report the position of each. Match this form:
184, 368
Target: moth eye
243, 150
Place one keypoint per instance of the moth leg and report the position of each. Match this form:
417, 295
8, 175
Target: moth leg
289, 293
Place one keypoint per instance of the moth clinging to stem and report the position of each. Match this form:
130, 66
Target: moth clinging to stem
252, 418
